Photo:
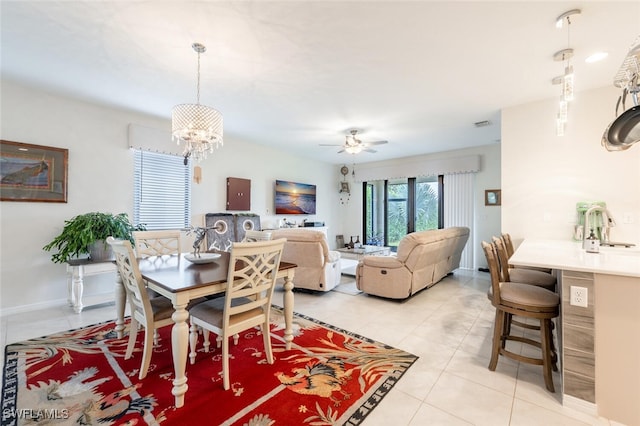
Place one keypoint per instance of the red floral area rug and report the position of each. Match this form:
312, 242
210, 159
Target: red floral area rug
80, 377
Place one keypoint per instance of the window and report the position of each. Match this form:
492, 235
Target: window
162, 191
427, 206
397, 211
394, 208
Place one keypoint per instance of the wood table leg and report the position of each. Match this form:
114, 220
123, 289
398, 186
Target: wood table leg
179, 347
288, 310
121, 299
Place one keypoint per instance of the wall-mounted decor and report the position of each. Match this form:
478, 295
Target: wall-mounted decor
33, 172
345, 191
295, 198
492, 197
238, 194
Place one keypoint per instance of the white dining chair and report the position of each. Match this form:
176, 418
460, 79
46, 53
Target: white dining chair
151, 313
157, 243
247, 301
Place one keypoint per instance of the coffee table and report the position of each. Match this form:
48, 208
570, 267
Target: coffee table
351, 256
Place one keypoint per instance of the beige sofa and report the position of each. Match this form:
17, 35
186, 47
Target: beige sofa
423, 259
318, 267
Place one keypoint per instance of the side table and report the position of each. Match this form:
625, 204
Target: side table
77, 269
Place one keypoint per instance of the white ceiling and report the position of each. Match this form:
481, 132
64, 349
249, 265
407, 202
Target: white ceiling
296, 74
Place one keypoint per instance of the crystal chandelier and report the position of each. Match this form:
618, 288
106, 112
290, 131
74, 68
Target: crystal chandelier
198, 126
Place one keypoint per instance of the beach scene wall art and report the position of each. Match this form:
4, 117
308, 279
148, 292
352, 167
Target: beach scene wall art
295, 198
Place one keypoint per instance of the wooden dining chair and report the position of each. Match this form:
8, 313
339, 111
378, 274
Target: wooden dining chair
157, 243
247, 301
526, 301
151, 313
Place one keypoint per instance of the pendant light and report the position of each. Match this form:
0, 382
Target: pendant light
198, 126
566, 80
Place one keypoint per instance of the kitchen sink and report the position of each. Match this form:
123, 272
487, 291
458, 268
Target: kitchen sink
628, 251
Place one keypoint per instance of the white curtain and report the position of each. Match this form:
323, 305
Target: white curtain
458, 209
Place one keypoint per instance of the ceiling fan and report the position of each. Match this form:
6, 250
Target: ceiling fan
353, 145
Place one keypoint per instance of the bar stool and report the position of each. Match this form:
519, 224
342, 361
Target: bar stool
526, 301
508, 246
521, 275
526, 276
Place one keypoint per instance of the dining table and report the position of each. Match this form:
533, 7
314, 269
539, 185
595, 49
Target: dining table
182, 281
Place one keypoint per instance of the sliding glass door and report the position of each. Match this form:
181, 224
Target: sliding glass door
428, 209
394, 208
397, 211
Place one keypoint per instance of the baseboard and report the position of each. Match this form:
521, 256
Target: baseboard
33, 307
580, 405
87, 301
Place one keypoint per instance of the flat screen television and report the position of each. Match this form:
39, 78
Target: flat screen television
295, 198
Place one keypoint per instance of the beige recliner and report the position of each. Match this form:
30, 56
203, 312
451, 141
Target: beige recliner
318, 267
423, 259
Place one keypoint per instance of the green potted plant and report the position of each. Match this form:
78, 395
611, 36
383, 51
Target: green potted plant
86, 233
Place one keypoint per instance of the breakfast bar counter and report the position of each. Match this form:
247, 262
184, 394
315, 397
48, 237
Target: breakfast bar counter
569, 255
599, 342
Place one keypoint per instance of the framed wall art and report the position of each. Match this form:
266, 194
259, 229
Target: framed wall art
295, 198
492, 197
33, 172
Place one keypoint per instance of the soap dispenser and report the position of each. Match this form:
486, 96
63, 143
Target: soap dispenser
592, 243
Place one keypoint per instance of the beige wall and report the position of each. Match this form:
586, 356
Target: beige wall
101, 179
543, 176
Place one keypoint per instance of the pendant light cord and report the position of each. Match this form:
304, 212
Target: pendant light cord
198, 87
568, 40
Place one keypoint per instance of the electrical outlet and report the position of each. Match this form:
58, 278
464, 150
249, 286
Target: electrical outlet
579, 296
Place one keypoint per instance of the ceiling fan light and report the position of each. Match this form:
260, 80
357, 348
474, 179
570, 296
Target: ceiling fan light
353, 149
352, 141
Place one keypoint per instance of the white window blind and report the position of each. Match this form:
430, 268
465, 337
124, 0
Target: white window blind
459, 210
162, 190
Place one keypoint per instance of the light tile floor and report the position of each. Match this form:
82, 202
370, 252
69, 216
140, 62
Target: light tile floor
448, 326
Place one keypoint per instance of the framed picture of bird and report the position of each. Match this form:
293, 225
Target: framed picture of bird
33, 172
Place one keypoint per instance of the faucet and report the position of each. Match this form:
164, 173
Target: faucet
608, 223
